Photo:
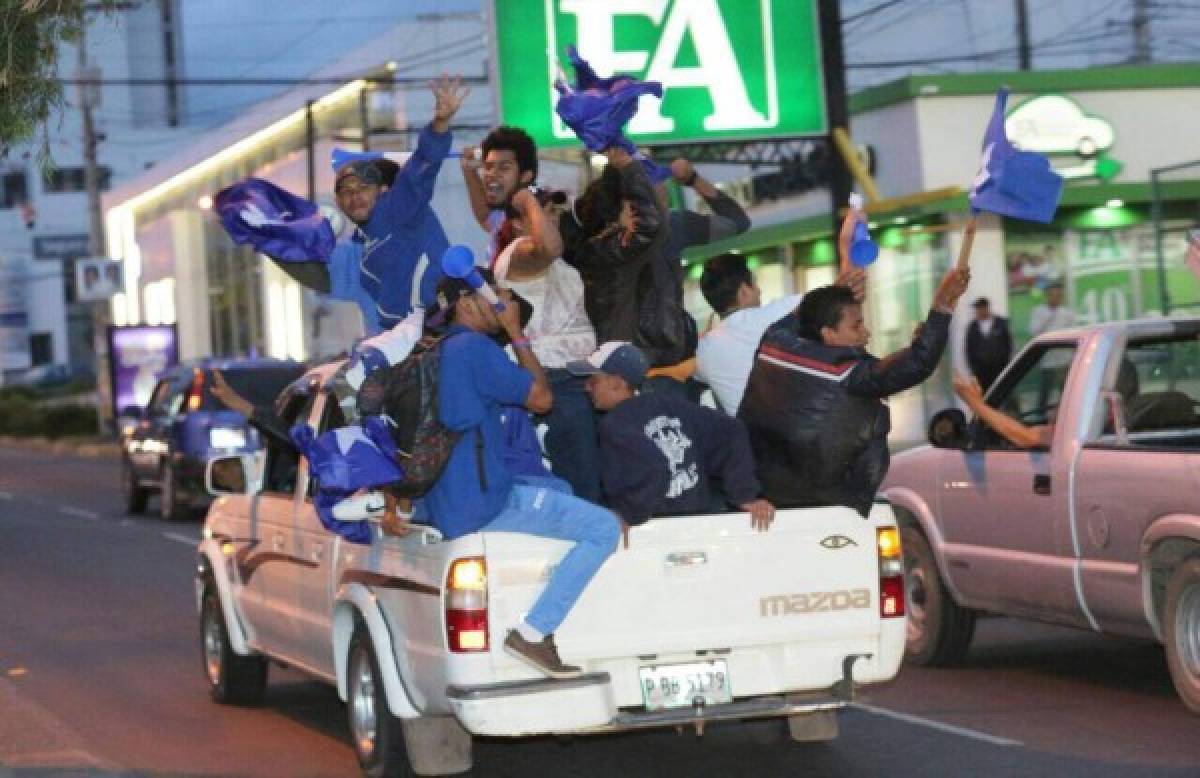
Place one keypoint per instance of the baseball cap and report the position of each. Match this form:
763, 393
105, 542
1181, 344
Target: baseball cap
616, 357
450, 289
364, 169
980, 302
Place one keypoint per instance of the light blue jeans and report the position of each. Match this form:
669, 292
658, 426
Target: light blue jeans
548, 513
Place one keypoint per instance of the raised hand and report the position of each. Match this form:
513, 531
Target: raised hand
448, 95
953, 284
231, 399
762, 513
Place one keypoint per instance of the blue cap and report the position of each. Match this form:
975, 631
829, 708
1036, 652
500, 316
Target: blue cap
615, 357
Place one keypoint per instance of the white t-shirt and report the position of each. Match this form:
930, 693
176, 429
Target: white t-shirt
559, 329
725, 355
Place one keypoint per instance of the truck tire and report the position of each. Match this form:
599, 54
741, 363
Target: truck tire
134, 493
1181, 631
939, 630
819, 727
378, 735
232, 679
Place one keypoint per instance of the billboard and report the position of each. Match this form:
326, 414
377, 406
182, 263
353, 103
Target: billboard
97, 278
139, 355
730, 69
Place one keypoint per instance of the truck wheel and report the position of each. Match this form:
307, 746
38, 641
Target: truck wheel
939, 630
378, 735
819, 727
1182, 632
232, 679
135, 494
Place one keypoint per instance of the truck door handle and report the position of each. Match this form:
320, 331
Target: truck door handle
1041, 484
277, 541
317, 551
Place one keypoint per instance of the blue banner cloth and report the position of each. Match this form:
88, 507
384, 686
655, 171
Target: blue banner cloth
1015, 183
274, 221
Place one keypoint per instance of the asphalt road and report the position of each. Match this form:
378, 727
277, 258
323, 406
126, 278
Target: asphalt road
100, 675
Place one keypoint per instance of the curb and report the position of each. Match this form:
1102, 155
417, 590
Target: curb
84, 447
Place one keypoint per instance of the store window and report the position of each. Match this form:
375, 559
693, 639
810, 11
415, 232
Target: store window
73, 179
41, 348
14, 189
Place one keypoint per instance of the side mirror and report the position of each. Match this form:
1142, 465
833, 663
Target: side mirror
948, 429
232, 475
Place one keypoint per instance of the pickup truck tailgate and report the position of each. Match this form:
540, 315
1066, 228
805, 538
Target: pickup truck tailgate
704, 584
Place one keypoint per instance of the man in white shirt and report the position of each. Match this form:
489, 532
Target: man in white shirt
1050, 316
725, 354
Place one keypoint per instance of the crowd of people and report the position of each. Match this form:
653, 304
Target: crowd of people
591, 343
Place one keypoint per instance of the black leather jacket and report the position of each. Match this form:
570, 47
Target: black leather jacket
631, 291
817, 422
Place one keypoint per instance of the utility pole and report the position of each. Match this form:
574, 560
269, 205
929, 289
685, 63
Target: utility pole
1024, 52
1141, 32
829, 16
100, 317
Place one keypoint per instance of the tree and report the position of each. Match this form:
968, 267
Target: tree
31, 93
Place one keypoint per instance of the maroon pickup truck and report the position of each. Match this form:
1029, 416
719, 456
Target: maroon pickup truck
1100, 529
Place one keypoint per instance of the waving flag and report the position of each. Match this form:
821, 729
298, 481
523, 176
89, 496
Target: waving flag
597, 109
1013, 183
344, 461
274, 221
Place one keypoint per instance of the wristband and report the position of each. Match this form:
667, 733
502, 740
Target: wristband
520, 342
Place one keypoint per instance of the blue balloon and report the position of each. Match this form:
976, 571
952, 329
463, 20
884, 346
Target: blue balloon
863, 250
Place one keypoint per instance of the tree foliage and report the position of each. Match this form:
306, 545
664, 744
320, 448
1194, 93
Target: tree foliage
30, 90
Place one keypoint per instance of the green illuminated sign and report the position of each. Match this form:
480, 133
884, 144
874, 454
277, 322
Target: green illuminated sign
730, 69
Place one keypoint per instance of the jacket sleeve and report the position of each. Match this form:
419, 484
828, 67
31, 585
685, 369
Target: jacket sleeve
414, 183
728, 218
648, 219
904, 369
1003, 324
727, 449
632, 485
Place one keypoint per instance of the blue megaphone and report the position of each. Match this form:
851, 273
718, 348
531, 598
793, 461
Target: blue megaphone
863, 250
459, 262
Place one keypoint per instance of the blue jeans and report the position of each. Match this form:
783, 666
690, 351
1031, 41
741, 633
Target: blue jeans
547, 513
571, 444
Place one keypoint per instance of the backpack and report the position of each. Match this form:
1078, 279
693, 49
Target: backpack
406, 394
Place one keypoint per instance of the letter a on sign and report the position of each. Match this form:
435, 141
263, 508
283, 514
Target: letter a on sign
730, 69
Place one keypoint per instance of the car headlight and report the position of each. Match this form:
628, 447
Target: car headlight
226, 437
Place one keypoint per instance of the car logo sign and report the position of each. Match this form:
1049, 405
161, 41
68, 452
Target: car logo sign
837, 541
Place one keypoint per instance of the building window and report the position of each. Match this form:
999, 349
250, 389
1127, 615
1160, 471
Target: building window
14, 189
41, 348
71, 179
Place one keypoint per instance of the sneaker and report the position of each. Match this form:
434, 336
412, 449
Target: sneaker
541, 656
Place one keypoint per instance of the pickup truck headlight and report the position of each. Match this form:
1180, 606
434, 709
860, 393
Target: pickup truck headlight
226, 437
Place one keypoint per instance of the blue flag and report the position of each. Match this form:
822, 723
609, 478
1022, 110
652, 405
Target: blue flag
274, 221
344, 461
1013, 183
597, 109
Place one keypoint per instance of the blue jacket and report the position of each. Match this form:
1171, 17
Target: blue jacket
401, 230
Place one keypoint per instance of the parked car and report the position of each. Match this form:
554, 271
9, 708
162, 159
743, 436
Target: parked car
699, 619
1100, 529
183, 426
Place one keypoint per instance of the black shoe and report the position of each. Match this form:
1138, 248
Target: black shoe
541, 656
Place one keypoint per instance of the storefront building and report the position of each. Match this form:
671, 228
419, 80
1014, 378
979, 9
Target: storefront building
1106, 130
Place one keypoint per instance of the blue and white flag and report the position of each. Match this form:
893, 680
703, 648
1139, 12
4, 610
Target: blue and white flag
1015, 183
274, 221
345, 461
597, 109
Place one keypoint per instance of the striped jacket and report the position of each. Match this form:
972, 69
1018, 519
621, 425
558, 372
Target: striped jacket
816, 417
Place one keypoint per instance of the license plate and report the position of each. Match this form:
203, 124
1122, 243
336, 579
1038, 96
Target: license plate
680, 686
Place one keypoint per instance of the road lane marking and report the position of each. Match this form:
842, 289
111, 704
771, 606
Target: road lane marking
178, 538
80, 512
938, 725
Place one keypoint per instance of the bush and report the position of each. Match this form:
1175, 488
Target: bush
69, 420
19, 415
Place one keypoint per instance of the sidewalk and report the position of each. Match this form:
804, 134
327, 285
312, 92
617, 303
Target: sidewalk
101, 448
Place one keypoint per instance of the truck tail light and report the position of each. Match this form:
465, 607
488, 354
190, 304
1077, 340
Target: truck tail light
466, 605
891, 573
196, 392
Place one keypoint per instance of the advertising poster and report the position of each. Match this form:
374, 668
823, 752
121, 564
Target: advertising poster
139, 356
97, 278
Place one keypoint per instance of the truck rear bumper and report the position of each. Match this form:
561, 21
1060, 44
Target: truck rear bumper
586, 705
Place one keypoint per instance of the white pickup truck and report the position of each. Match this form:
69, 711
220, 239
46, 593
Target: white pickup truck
700, 619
